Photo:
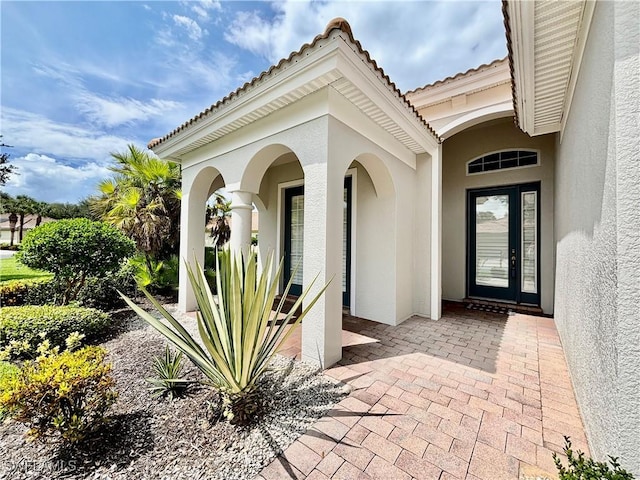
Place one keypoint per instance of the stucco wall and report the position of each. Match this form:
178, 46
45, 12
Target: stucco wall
597, 231
457, 151
381, 254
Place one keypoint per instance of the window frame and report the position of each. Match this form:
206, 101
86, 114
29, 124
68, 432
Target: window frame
500, 169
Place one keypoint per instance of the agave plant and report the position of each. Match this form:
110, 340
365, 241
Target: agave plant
168, 369
237, 337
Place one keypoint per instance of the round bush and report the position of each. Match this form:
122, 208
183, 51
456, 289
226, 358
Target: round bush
74, 250
28, 323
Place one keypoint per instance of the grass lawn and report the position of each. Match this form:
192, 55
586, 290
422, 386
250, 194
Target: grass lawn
10, 269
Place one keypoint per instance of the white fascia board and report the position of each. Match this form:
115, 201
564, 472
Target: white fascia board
543, 130
289, 78
466, 85
359, 72
522, 19
576, 62
343, 110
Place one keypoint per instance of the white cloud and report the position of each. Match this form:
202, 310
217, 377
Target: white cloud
202, 8
44, 136
415, 42
111, 112
190, 25
251, 32
48, 179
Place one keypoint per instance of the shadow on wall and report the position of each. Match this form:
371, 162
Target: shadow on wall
464, 337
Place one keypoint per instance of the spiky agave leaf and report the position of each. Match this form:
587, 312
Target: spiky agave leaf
236, 330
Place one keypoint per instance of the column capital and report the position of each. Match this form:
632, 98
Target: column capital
241, 200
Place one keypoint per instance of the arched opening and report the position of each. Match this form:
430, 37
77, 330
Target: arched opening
369, 231
198, 185
276, 178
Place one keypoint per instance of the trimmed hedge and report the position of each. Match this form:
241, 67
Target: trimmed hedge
101, 293
29, 323
16, 292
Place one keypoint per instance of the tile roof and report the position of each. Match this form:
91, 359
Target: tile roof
337, 23
457, 75
507, 29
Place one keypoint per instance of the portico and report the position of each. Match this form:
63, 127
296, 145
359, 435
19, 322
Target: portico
325, 113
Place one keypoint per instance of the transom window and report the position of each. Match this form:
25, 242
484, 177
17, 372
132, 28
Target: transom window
502, 160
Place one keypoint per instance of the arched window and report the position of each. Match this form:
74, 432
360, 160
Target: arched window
502, 160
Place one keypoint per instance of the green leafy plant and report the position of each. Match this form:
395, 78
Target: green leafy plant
8, 373
155, 275
238, 337
27, 326
74, 250
581, 468
16, 292
168, 370
65, 395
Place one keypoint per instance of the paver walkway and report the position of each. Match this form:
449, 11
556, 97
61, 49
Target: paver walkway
472, 396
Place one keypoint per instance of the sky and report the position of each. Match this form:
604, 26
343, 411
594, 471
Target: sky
80, 80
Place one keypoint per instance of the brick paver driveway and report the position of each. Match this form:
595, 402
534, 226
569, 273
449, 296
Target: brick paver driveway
472, 396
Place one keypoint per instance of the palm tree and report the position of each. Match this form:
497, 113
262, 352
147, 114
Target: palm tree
24, 205
7, 205
219, 213
143, 200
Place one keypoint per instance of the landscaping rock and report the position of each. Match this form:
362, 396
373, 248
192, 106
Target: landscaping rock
149, 438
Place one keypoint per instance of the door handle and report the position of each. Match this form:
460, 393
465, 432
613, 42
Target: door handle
513, 263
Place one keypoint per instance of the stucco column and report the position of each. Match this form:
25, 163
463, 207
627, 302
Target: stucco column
436, 233
322, 256
192, 225
241, 208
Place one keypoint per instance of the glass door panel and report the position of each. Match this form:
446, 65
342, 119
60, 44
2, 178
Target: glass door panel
492, 240
529, 236
293, 237
503, 244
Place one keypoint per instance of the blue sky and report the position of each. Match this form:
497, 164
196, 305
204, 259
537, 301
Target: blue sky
82, 79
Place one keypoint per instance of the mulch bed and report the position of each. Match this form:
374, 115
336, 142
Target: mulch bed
148, 438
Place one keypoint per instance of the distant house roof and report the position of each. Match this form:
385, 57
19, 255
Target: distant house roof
29, 221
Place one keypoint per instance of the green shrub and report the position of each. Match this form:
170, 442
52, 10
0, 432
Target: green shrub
66, 394
97, 292
160, 277
8, 246
581, 468
16, 292
168, 370
102, 292
8, 373
30, 325
74, 250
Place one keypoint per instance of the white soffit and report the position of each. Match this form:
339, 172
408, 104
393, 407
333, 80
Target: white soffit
547, 40
292, 80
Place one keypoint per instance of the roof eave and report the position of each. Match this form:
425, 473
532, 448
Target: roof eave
535, 76
302, 63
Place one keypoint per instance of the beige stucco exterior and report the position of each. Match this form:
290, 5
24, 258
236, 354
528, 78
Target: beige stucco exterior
463, 147
331, 112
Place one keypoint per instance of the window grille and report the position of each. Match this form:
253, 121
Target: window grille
502, 160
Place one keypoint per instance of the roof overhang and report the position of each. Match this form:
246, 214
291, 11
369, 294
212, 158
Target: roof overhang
334, 59
474, 80
546, 41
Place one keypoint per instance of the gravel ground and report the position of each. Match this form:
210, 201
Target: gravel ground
148, 438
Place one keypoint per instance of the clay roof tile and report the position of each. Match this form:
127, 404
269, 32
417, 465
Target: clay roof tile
337, 23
